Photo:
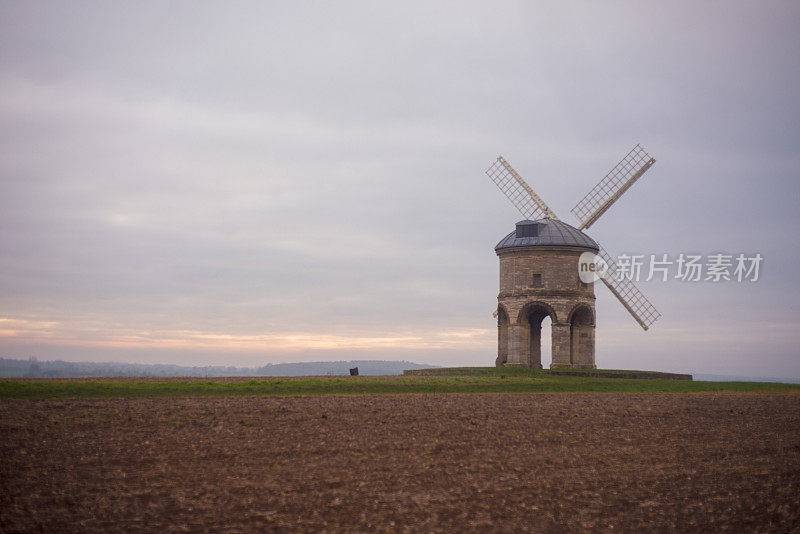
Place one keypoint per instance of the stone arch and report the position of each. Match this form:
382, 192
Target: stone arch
503, 339
582, 313
526, 309
581, 337
530, 325
502, 308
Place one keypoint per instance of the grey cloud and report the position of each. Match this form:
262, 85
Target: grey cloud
262, 168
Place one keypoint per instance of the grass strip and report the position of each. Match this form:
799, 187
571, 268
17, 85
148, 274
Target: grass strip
50, 389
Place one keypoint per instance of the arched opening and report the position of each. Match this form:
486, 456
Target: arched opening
538, 320
502, 337
546, 347
581, 338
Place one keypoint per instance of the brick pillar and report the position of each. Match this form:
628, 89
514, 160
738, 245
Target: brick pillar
583, 347
590, 349
502, 340
561, 343
517, 354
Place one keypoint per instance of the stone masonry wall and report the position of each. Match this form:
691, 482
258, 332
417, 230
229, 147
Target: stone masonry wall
559, 291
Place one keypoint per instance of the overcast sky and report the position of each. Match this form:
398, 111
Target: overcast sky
243, 183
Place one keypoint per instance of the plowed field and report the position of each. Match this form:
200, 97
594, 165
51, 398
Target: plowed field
450, 463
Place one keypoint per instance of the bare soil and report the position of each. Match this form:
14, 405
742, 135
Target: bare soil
448, 463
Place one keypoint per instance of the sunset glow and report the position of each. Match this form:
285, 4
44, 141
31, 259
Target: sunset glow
48, 332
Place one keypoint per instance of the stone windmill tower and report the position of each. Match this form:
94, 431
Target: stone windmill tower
540, 271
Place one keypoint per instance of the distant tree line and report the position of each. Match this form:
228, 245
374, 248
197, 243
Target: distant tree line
34, 368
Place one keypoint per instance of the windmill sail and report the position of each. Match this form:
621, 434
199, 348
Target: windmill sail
518, 192
588, 210
612, 186
628, 294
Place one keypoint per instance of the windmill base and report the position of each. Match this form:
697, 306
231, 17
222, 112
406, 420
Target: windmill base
573, 366
537, 283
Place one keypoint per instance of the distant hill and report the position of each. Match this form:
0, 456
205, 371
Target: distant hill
33, 368
733, 378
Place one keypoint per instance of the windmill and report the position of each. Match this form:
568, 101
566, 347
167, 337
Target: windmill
539, 270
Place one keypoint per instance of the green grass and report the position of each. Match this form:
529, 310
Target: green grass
523, 371
503, 381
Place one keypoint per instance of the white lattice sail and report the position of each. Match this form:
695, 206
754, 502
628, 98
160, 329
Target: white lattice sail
612, 186
518, 191
628, 294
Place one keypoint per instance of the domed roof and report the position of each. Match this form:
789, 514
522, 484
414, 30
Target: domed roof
546, 233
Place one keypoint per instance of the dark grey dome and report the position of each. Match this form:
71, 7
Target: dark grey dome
546, 233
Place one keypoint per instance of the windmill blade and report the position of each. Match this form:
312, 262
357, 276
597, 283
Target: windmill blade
612, 186
628, 294
518, 192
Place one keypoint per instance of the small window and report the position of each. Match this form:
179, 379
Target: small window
537, 280
527, 229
